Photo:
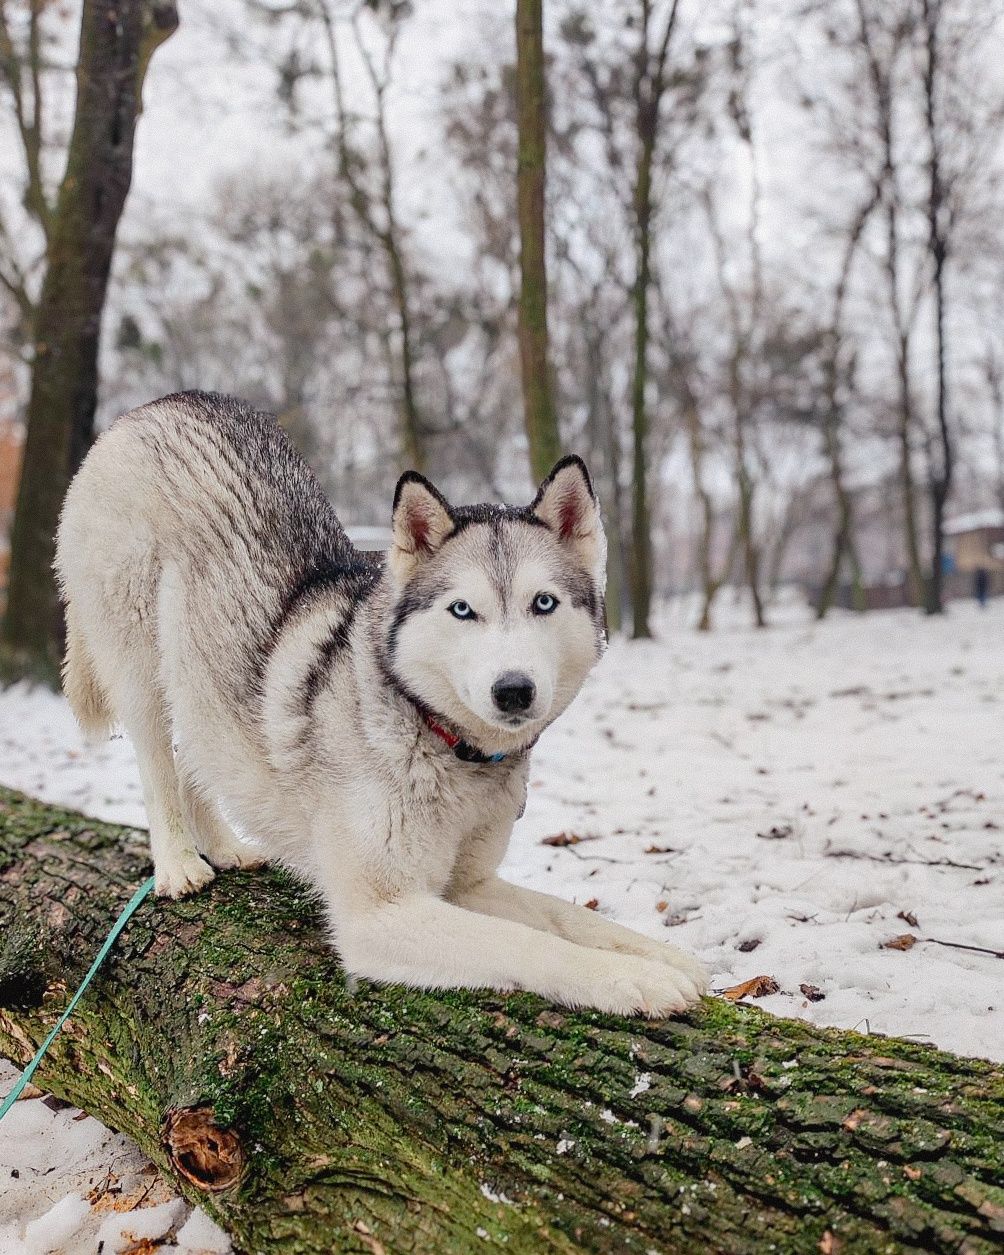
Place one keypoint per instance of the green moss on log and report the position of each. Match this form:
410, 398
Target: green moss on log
367, 1119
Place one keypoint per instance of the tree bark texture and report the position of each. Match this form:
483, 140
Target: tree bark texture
941, 468
648, 89
531, 102
641, 519
844, 544
117, 40
308, 1114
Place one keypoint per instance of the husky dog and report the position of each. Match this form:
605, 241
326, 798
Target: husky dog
368, 723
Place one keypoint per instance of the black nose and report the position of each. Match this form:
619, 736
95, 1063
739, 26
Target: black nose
513, 691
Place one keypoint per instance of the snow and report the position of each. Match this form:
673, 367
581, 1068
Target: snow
119, 1232
804, 788
57, 1226
201, 1236
782, 803
78, 1186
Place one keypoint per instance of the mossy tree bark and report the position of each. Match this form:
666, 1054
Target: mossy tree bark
310, 1116
117, 41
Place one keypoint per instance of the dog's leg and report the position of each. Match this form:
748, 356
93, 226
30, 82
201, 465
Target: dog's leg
178, 869
418, 939
497, 897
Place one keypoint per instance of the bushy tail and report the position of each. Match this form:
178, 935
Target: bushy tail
80, 684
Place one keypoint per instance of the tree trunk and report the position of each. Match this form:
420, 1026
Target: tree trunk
538, 399
995, 383
915, 575
307, 1114
750, 549
999, 448
649, 87
844, 542
641, 522
605, 447
882, 57
413, 440
711, 579
942, 466
745, 513
116, 43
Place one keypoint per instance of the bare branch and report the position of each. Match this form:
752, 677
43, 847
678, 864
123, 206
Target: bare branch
28, 116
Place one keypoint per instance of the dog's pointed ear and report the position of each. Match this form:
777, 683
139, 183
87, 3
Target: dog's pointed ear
422, 520
566, 503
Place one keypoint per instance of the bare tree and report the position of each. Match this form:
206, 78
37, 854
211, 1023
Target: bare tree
844, 545
599, 344
745, 317
357, 133
79, 226
961, 128
940, 463
23, 76
649, 89
531, 166
684, 383
866, 125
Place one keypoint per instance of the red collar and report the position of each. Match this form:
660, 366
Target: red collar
462, 749
451, 738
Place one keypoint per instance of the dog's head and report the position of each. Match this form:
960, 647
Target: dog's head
498, 610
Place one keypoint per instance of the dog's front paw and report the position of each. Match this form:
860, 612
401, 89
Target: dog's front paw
234, 853
681, 961
246, 857
181, 874
626, 985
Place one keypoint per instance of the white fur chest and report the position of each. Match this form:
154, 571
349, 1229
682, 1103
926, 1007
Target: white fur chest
426, 805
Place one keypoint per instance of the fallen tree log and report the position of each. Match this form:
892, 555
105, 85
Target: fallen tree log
308, 1116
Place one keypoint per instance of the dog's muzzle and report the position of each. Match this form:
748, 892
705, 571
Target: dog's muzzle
513, 693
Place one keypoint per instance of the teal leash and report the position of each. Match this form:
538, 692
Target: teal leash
120, 923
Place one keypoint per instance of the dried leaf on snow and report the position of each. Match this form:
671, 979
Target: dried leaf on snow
757, 987
565, 838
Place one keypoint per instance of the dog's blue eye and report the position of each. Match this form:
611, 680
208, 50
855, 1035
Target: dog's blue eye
544, 603
461, 610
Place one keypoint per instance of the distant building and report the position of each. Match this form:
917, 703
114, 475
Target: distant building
975, 542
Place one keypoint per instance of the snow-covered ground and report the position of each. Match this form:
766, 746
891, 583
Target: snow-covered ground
68, 1185
784, 803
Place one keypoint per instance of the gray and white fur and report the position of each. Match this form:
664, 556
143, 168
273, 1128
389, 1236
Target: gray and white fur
276, 681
